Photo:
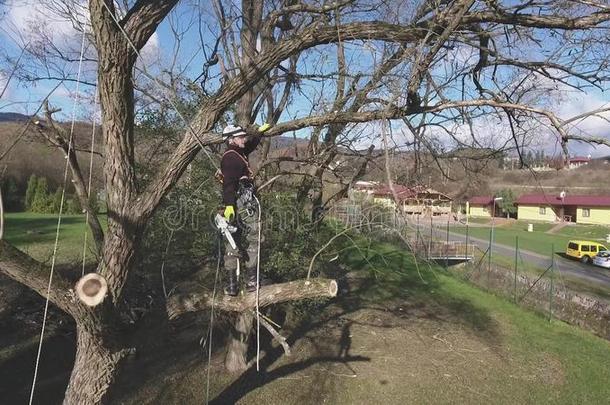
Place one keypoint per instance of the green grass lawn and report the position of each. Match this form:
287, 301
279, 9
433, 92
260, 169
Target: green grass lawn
587, 232
479, 220
580, 372
35, 235
573, 283
408, 334
537, 241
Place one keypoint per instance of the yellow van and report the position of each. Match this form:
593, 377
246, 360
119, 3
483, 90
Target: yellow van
584, 250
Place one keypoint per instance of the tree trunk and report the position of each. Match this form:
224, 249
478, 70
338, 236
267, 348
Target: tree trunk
237, 351
94, 367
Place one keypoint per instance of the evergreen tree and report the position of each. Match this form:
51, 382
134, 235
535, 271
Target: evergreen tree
40, 202
508, 202
57, 200
30, 192
11, 196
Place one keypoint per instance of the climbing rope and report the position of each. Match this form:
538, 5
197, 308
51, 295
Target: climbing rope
211, 325
89, 182
258, 262
61, 206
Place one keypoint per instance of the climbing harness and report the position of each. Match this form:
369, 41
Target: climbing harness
220, 177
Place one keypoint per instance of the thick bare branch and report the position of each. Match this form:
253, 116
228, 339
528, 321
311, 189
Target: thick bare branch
35, 275
195, 299
143, 19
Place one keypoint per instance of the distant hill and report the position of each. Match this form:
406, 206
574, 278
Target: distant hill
13, 116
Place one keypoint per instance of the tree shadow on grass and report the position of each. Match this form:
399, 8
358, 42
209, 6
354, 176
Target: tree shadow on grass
402, 295
394, 289
26, 231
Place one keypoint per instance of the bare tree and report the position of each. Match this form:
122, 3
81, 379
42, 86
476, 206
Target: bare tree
432, 88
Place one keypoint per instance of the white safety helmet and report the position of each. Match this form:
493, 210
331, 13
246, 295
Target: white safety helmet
231, 131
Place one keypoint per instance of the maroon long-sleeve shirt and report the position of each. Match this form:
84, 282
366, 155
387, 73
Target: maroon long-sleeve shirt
234, 166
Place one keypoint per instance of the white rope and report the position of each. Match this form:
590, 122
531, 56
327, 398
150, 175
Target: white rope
211, 326
89, 182
156, 81
258, 265
169, 242
61, 206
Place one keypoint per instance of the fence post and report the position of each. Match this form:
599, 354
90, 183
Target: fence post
466, 257
489, 256
447, 247
552, 276
430, 241
516, 264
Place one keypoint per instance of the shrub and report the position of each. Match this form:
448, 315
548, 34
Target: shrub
30, 192
72, 206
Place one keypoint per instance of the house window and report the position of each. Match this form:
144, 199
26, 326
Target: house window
542, 210
586, 212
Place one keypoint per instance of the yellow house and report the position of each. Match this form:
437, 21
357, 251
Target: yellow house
593, 215
541, 212
582, 209
480, 206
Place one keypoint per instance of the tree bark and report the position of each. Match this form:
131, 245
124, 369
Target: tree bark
94, 367
35, 275
237, 350
194, 298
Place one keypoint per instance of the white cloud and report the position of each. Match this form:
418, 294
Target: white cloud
151, 52
37, 21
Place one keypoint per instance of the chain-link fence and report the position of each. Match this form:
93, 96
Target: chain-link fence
508, 271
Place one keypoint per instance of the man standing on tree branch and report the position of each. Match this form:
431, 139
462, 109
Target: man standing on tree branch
240, 205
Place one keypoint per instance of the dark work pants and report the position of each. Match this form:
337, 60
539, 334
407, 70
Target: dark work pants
246, 239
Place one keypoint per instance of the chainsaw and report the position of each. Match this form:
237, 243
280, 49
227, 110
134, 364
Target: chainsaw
226, 229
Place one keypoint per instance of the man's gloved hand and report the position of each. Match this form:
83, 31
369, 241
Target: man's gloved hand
229, 213
264, 127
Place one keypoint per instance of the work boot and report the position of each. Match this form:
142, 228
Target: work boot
251, 281
231, 286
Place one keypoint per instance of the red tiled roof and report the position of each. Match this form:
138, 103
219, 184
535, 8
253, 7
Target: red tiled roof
401, 191
579, 159
404, 192
580, 200
481, 200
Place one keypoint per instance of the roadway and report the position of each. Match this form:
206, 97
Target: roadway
572, 268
